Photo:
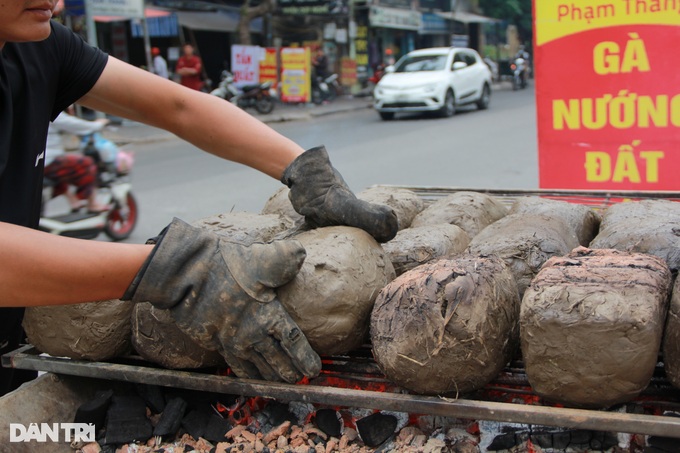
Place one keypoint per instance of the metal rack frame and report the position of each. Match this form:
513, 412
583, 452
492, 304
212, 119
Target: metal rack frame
29, 358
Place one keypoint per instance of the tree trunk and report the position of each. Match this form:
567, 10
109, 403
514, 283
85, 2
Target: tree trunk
249, 13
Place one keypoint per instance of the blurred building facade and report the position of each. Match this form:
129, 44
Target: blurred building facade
369, 32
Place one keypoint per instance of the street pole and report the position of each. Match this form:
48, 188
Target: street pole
90, 25
147, 44
351, 31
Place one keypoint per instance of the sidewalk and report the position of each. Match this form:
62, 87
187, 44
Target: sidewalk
133, 132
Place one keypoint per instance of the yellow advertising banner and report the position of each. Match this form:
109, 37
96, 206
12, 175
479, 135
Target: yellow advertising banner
268, 69
295, 74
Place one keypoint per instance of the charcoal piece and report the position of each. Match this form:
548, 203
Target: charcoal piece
153, 396
503, 442
195, 423
376, 428
603, 440
126, 421
561, 440
128, 430
216, 428
277, 413
171, 418
580, 437
126, 406
328, 421
543, 440
94, 410
664, 444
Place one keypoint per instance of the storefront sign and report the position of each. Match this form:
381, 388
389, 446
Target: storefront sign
395, 3
268, 70
348, 71
133, 9
433, 24
305, 7
295, 74
361, 47
608, 94
245, 64
404, 19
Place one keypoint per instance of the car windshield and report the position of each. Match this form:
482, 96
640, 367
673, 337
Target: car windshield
422, 63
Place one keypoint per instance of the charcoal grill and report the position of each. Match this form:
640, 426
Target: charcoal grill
508, 398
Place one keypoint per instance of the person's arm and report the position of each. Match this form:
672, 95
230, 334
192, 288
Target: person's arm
206, 121
44, 269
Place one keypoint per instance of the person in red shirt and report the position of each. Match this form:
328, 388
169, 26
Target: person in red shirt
190, 67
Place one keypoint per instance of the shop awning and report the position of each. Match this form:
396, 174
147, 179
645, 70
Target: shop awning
221, 21
467, 18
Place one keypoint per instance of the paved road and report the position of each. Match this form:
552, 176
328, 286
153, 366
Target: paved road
478, 149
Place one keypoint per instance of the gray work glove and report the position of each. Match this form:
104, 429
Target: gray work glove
318, 192
222, 295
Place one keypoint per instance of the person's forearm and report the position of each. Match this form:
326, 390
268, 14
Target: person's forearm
225, 130
43, 269
208, 122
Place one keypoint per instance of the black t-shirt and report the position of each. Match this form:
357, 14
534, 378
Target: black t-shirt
37, 81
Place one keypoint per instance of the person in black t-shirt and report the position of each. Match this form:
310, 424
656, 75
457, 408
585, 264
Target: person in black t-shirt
221, 294
320, 64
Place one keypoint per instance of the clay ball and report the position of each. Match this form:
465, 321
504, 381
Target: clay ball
332, 296
405, 203
90, 331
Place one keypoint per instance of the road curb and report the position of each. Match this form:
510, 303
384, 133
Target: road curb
122, 140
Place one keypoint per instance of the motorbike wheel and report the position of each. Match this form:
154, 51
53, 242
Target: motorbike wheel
515, 83
332, 93
317, 97
120, 222
264, 105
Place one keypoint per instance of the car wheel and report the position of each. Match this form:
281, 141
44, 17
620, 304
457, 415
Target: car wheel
449, 107
387, 115
485, 98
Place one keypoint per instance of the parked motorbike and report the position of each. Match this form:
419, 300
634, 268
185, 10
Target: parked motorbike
520, 73
113, 189
325, 89
378, 74
257, 96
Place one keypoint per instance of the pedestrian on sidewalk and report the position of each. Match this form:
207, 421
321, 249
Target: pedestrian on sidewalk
160, 66
220, 293
190, 68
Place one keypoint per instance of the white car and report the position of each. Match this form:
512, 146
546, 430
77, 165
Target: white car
437, 79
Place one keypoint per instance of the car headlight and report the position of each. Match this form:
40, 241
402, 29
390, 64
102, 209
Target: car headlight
431, 88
